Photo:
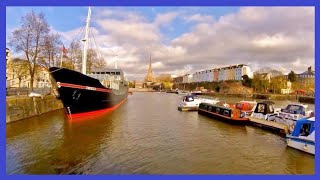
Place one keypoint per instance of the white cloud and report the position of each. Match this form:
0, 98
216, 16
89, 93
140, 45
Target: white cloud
278, 37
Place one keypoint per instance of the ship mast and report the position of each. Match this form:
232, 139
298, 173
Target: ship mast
85, 45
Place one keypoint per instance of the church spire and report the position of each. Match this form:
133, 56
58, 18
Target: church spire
149, 77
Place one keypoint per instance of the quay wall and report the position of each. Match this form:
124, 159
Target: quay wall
22, 107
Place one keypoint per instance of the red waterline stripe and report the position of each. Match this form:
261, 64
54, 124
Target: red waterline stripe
93, 113
82, 87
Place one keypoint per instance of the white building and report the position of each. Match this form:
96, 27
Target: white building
241, 70
187, 78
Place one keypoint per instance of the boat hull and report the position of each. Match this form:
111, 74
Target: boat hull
301, 144
82, 94
221, 113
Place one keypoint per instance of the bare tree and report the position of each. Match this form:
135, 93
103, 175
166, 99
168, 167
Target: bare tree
75, 55
51, 50
29, 39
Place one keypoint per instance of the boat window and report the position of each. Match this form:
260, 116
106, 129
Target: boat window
218, 110
261, 108
108, 72
239, 105
117, 73
305, 129
112, 73
205, 107
271, 110
103, 73
226, 112
210, 108
190, 99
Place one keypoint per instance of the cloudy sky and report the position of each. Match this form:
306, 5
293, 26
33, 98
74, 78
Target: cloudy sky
187, 39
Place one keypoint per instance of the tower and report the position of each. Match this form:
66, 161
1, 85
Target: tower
149, 78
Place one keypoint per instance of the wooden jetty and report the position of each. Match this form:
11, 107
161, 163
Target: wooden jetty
270, 125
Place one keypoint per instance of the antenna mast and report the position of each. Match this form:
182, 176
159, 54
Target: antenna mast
85, 45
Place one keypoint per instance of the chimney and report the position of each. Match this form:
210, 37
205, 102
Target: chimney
309, 69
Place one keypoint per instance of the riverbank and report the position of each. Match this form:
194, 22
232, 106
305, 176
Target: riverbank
21, 107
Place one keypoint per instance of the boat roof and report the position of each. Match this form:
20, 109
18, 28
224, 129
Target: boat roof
105, 70
312, 119
297, 104
250, 102
267, 102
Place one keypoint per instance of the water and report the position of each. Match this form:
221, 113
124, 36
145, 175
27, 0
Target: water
148, 135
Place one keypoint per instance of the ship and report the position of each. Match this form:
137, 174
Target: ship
83, 94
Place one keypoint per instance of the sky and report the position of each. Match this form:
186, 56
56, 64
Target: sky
184, 40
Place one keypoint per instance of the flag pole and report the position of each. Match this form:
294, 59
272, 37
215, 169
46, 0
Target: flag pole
61, 57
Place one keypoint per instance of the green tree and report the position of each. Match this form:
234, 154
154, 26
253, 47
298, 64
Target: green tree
292, 77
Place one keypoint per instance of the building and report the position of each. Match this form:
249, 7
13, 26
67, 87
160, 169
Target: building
215, 76
187, 78
306, 77
234, 72
138, 84
149, 79
18, 76
8, 55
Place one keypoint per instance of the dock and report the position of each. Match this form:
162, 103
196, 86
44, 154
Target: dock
281, 129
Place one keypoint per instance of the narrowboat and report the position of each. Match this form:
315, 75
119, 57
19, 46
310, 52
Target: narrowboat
226, 112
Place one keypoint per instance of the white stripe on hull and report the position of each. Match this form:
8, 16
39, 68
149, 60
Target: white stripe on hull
309, 148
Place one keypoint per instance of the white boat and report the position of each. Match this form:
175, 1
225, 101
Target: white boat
303, 135
192, 102
264, 110
292, 113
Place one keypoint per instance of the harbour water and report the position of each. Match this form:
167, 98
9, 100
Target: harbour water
148, 135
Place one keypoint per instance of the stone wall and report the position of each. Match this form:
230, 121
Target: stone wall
18, 108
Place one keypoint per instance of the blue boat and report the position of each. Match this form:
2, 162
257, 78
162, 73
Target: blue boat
303, 135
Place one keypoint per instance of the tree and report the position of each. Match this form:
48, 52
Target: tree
51, 50
29, 39
246, 81
75, 55
292, 77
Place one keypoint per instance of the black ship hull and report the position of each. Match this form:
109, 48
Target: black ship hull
82, 95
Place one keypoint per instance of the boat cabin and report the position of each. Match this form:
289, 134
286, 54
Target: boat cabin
265, 107
104, 73
304, 127
188, 98
245, 106
295, 109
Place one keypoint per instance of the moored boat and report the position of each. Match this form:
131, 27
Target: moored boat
246, 106
226, 112
264, 110
303, 135
192, 102
85, 94
292, 113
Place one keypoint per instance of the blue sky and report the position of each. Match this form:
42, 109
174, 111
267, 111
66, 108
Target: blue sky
68, 18
188, 39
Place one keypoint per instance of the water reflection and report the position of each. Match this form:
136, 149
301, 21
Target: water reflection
147, 135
